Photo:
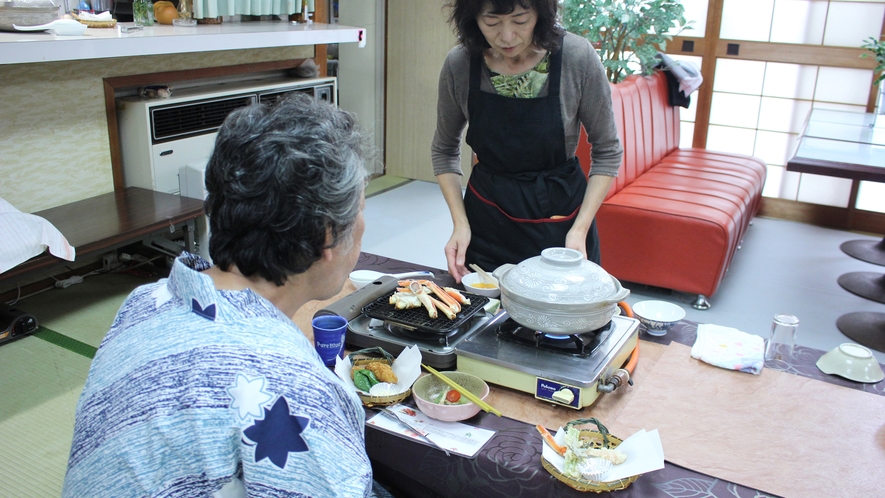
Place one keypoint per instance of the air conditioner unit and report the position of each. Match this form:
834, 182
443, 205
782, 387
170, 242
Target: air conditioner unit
158, 137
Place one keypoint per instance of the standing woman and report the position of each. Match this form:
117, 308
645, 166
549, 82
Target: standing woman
525, 87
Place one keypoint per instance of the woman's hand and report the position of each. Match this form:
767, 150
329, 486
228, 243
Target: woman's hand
456, 249
577, 239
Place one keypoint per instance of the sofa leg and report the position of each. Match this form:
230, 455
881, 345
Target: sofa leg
701, 303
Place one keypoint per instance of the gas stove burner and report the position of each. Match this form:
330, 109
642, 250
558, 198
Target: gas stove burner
422, 337
583, 344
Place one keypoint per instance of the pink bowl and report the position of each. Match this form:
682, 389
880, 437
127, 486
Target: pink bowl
428, 388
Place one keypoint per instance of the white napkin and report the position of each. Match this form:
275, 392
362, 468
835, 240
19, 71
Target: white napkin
27, 235
87, 16
407, 368
729, 348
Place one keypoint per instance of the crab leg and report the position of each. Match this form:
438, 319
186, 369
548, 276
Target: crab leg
443, 295
456, 294
442, 307
418, 290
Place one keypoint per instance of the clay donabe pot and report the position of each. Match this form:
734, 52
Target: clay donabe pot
559, 292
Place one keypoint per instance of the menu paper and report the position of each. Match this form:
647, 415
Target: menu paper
463, 439
643, 449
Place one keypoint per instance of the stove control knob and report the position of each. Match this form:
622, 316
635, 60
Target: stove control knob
564, 396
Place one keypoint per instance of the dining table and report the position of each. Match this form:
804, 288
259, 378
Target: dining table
850, 145
509, 465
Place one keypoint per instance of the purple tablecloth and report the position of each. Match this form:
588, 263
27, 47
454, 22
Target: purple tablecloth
510, 464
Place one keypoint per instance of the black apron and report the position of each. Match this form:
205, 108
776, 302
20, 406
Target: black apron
523, 194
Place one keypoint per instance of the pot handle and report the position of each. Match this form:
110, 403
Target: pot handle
620, 296
501, 270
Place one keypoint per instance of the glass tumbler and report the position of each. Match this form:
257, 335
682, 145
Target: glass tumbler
782, 338
143, 12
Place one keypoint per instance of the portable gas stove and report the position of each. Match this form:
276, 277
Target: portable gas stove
568, 370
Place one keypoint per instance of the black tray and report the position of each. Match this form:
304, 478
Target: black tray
418, 319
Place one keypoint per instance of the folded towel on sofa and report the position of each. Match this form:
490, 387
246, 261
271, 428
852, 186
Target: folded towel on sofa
729, 348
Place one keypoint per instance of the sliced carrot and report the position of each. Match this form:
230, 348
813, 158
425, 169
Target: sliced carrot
548, 438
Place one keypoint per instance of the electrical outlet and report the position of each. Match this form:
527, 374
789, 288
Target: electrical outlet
109, 261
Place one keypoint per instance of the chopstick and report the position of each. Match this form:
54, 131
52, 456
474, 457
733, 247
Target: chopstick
464, 392
488, 278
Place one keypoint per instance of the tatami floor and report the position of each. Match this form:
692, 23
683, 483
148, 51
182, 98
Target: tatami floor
782, 267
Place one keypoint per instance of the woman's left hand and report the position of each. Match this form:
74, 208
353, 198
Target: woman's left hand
577, 240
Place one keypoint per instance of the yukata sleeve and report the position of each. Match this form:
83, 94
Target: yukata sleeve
309, 439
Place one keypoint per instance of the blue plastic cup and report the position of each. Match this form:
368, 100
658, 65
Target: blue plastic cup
328, 337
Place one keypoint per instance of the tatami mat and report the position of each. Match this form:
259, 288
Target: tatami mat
39, 387
84, 311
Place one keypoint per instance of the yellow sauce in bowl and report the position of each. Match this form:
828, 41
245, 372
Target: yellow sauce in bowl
484, 285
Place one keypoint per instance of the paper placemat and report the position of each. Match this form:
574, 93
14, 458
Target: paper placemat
463, 439
776, 432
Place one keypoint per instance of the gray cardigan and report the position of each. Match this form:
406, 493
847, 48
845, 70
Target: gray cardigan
585, 98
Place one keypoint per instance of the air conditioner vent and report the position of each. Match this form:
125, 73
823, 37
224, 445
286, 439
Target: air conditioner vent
274, 97
193, 118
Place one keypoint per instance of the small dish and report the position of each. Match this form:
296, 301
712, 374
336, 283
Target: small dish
475, 284
658, 316
361, 278
427, 390
853, 362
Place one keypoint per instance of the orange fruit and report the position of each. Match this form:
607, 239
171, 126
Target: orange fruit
165, 12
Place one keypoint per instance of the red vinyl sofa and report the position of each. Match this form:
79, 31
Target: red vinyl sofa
674, 217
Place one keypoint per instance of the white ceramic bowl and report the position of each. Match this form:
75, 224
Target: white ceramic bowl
852, 361
428, 389
658, 316
471, 280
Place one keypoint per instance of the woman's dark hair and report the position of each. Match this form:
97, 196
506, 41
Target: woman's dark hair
282, 179
463, 20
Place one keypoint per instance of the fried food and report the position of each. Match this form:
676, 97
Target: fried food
382, 371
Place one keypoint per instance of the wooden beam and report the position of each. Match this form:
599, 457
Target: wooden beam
708, 72
792, 53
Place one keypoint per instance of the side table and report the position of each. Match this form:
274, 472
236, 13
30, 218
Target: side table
850, 145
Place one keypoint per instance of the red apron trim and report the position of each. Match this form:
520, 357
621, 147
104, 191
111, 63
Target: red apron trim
523, 220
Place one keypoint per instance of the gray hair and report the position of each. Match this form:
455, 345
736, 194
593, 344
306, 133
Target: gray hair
280, 180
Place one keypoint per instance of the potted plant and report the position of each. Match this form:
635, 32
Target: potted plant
627, 33
877, 47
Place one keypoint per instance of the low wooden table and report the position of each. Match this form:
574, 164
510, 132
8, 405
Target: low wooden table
510, 464
108, 221
850, 145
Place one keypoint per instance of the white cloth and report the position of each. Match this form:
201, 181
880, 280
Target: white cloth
86, 16
729, 348
686, 72
23, 236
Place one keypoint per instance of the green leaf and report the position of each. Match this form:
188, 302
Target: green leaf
629, 32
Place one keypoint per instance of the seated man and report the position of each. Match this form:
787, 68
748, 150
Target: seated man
204, 386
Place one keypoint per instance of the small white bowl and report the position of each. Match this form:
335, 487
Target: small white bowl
472, 281
658, 316
852, 361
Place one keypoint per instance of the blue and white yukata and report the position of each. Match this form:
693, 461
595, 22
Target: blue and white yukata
194, 390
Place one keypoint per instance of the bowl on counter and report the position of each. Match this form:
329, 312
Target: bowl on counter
476, 284
658, 316
429, 391
853, 362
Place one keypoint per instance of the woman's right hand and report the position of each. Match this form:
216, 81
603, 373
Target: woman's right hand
456, 250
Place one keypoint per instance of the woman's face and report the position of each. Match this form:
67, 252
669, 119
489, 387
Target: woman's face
509, 34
